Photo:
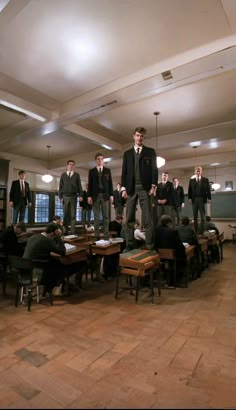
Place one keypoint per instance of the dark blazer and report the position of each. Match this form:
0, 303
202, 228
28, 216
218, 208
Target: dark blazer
15, 192
147, 166
166, 191
205, 189
118, 199
178, 196
169, 238
187, 234
93, 189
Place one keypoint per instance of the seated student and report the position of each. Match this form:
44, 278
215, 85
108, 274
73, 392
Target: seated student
210, 225
111, 262
11, 239
116, 225
59, 222
187, 234
39, 247
139, 235
168, 238
214, 255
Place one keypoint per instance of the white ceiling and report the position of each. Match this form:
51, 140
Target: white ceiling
93, 69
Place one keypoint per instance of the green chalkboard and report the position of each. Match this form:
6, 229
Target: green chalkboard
223, 205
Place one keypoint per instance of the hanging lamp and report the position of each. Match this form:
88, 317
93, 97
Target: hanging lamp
47, 177
160, 161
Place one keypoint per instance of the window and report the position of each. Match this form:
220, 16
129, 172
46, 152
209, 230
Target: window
58, 206
78, 212
42, 206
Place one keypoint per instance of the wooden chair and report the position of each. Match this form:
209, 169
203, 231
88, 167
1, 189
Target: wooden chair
234, 233
221, 238
168, 257
28, 278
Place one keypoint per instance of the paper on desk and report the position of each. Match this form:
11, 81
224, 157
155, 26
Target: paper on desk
102, 242
186, 244
70, 236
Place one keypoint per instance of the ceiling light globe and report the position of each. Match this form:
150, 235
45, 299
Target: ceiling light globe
47, 178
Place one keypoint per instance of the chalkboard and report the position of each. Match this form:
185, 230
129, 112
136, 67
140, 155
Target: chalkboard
223, 205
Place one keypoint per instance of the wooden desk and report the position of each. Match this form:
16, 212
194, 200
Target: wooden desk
77, 240
190, 255
203, 243
221, 238
139, 263
104, 250
77, 255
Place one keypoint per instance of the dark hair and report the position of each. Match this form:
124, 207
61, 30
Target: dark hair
56, 217
140, 130
166, 220
22, 226
99, 154
21, 172
51, 228
208, 218
70, 160
185, 220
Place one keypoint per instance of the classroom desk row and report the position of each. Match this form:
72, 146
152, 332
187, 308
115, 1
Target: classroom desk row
86, 248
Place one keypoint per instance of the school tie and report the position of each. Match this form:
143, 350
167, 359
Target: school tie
69, 174
100, 171
137, 151
22, 188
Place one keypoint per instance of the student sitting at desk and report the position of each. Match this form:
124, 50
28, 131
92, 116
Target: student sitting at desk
211, 226
39, 247
168, 238
14, 239
188, 235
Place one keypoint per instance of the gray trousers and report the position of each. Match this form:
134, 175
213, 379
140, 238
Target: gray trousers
199, 205
86, 216
19, 209
69, 210
145, 205
100, 203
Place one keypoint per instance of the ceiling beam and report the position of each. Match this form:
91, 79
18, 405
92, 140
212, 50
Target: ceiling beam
92, 136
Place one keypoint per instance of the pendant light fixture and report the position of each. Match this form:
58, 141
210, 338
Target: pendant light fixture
47, 177
160, 161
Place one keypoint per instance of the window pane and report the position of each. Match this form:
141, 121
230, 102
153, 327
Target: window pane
41, 208
78, 213
58, 206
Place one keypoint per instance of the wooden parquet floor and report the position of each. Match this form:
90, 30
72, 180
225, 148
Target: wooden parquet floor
92, 351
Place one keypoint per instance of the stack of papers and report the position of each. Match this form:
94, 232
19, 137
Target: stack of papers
69, 247
117, 240
186, 244
70, 236
102, 242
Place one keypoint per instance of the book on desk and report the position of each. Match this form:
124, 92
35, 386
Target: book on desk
70, 236
69, 247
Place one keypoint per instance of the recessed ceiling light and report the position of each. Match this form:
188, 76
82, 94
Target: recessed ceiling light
107, 146
195, 143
